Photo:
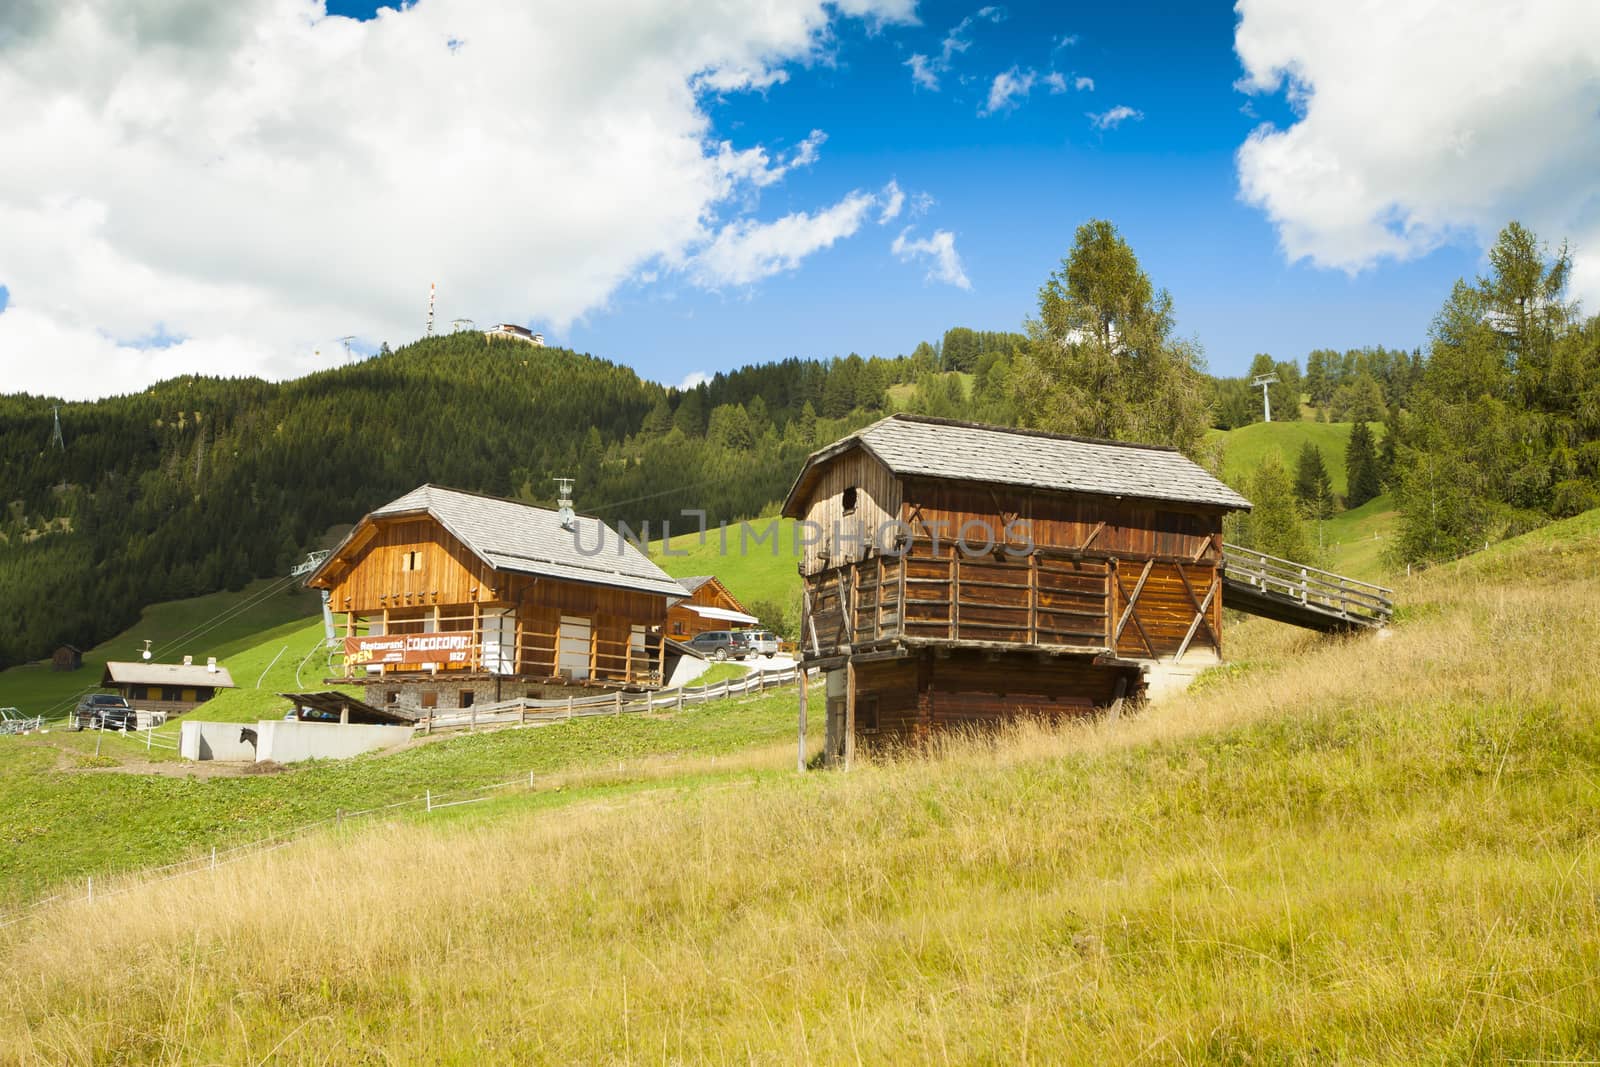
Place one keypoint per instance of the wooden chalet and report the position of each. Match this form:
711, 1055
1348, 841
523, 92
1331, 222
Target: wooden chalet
170, 687
708, 606
452, 598
958, 573
66, 658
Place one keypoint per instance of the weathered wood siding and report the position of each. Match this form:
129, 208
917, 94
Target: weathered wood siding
1133, 528
376, 578
840, 535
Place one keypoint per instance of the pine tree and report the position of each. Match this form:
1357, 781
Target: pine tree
1312, 485
1101, 359
1361, 467
1273, 525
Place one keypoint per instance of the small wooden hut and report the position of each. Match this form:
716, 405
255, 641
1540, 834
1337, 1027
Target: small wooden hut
66, 658
956, 573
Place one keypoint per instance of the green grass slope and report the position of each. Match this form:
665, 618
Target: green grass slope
751, 569
220, 624
1246, 447
1354, 850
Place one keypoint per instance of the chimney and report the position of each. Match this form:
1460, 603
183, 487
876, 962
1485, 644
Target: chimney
211, 664
188, 661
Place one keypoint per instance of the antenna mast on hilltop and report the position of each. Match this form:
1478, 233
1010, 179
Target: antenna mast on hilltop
56, 440
458, 325
1265, 380
430, 308
345, 340
564, 501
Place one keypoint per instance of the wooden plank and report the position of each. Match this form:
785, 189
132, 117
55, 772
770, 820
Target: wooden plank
1132, 603
1199, 618
801, 758
849, 712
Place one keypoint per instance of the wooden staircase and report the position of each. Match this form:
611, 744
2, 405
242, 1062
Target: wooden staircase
1299, 595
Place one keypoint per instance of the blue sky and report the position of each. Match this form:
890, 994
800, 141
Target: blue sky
551, 165
1013, 186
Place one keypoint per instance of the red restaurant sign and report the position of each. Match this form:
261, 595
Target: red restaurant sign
408, 648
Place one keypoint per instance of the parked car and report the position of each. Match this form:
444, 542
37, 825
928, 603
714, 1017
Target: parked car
104, 711
720, 644
761, 642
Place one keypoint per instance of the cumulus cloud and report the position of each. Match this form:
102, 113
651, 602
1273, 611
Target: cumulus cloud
1110, 120
746, 251
226, 188
1008, 90
1056, 81
894, 199
926, 70
1417, 123
944, 264
1083, 83
693, 380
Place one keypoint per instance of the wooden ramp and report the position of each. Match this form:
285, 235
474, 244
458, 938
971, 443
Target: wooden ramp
1293, 593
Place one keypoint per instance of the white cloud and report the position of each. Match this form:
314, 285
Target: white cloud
257, 179
1056, 81
693, 380
747, 251
1083, 84
940, 250
1009, 89
925, 70
921, 204
893, 200
1110, 120
1419, 122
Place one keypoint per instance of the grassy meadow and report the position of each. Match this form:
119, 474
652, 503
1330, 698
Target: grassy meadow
1374, 849
1245, 447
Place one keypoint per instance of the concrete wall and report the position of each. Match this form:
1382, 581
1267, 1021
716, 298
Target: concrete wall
289, 742
686, 670
216, 740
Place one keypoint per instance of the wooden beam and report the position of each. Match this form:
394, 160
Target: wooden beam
1087, 541
1200, 614
1129, 612
849, 712
800, 672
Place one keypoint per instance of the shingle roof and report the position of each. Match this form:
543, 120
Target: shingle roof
918, 446
511, 536
139, 673
694, 583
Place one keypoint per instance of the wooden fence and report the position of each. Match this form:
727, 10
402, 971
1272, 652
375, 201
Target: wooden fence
1360, 603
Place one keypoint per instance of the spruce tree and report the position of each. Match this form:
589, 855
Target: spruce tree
1312, 485
1274, 524
1361, 467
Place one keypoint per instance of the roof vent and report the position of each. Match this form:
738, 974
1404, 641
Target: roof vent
564, 503
188, 661
211, 664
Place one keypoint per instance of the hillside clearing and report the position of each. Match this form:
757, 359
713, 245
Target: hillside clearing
1362, 850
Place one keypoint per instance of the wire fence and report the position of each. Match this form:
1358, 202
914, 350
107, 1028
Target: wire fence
98, 887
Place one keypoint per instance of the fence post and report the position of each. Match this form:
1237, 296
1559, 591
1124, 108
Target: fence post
569, 705
338, 816
213, 857
91, 889
680, 698
619, 701
148, 733
427, 799
530, 779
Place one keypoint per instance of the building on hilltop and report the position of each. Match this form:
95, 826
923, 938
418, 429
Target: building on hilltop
170, 687
510, 331
709, 606
452, 598
956, 574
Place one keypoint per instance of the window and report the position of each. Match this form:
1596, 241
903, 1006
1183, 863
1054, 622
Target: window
850, 495
430, 699
466, 698
679, 629
867, 714
189, 696
391, 696
411, 561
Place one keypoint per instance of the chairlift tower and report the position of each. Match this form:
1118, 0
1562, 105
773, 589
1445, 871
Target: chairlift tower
457, 325
306, 566
56, 440
1265, 381
347, 340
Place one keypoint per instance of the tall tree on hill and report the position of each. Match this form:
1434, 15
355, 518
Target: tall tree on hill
1273, 525
1101, 359
1312, 485
1503, 430
1361, 467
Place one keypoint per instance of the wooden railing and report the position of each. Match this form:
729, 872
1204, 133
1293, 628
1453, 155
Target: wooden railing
1362, 603
1042, 600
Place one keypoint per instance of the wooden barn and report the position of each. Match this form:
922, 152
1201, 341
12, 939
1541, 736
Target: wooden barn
66, 658
709, 606
170, 687
957, 573
452, 598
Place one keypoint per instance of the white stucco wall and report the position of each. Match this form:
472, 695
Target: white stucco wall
215, 740
284, 741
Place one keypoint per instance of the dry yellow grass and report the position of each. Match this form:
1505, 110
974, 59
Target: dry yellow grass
1366, 850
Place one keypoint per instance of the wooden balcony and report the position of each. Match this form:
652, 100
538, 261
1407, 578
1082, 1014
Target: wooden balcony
1058, 602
